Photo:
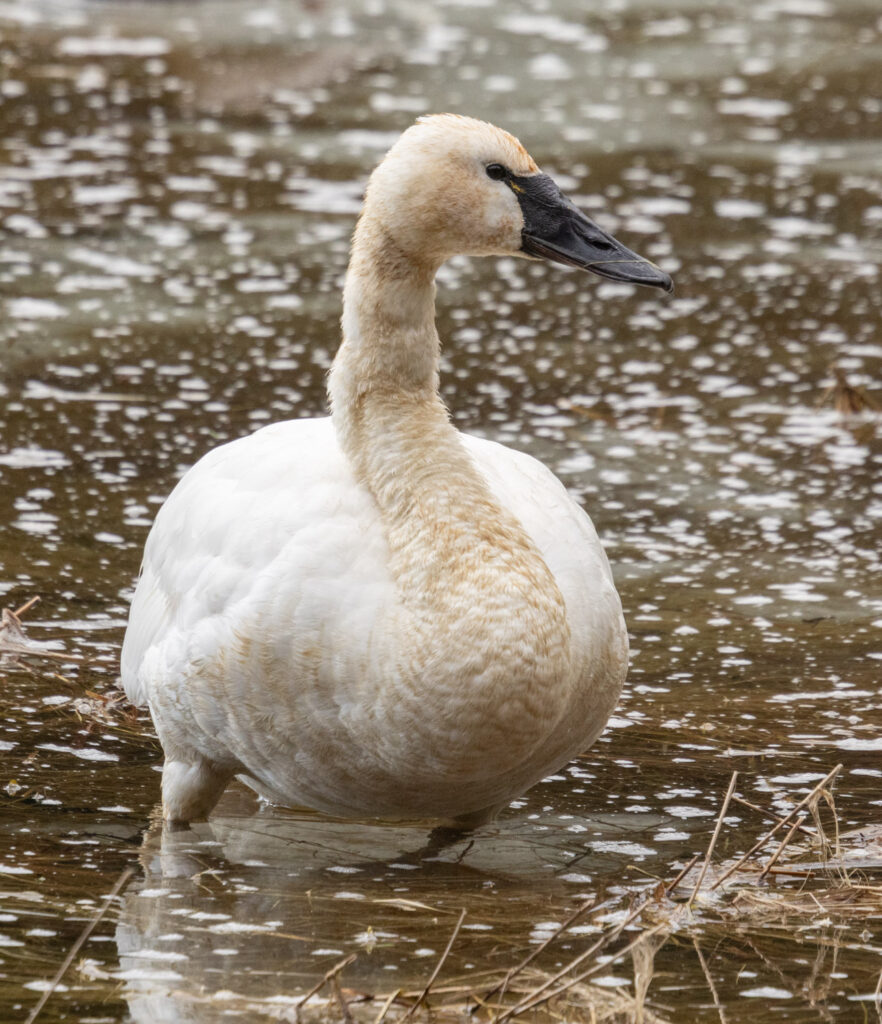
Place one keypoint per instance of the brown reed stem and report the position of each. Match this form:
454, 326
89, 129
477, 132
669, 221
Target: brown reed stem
26, 607
332, 973
779, 851
669, 888
580, 959
714, 837
438, 966
828, 778
381, 1016
75, 948
770, 816
514, 971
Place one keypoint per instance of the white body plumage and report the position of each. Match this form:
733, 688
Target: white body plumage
266, 637
372, 614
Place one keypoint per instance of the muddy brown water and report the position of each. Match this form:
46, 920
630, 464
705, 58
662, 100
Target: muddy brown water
177, 187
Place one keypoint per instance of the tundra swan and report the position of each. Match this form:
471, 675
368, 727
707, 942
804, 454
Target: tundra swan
372, 614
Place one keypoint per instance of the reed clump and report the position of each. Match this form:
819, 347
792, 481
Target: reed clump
801, 847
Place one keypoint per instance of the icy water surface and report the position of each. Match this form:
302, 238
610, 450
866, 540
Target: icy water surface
178, 183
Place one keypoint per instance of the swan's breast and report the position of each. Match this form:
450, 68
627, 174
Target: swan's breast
568, 543
261, 630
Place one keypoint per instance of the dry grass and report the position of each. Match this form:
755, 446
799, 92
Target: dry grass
851, 900
584, 1002
779, 889
800, 873
15, 644
19, 652
846, 399
753, 895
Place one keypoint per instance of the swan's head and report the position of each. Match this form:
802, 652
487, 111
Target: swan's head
452, 184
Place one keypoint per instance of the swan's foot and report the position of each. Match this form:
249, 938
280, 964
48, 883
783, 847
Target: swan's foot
455, 831
190, 789
442, 838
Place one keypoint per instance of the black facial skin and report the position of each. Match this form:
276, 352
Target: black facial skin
554, 229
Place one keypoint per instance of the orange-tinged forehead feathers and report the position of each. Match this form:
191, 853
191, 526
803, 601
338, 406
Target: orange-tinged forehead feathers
484, 140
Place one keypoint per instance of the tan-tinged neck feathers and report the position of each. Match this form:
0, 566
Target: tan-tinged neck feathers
469, 577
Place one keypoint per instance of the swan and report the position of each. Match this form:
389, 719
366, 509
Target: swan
372, 614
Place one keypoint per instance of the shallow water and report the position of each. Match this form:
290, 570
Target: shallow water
178, 183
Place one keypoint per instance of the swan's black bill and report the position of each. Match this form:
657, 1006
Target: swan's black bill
555, 229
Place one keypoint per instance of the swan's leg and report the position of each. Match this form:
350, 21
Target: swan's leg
467, 822
455, 831
441, 838
190, 789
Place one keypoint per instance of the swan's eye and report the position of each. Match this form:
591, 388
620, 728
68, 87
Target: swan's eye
496, 171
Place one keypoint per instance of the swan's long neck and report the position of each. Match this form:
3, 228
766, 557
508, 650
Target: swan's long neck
469, 578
